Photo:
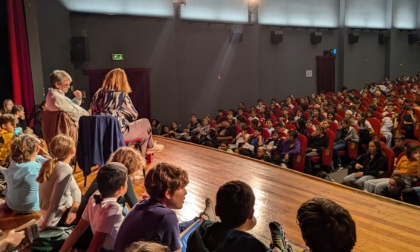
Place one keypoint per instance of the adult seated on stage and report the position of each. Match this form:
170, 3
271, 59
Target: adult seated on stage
56, 99
367, 166
112, 99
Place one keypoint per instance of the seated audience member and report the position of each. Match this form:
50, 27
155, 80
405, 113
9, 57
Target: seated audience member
408, 120
103, 214
281, 128
37, 128
317, 141
59, 194
19, 113
286, 148
272, 142
407, 167
235, 206
153, 219
241, 105
245, 148
7, 106
193, 126
269, 125
240, 137
387, 126
365, 128
261, 155
22, 187
204, 131
326, 226
301, 127
399, 146
7, 129
224, 131
345, 134
56, 99
256, 139
367, 166
395, 186
133, 161
113, 99
155, 127
220, 115
224, 146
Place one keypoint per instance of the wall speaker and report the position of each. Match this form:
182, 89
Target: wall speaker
413, 38
353, 38
383, 38
276, 37
80, 49
316, 38
235, 36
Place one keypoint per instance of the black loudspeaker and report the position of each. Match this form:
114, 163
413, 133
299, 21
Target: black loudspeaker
316, 38
353, 38
80, 49
383, 38
235, 37
413, 38
276, 37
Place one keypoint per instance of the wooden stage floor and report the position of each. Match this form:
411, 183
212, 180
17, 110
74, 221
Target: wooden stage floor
382, 224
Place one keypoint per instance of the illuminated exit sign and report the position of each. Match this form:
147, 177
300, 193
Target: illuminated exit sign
118, 56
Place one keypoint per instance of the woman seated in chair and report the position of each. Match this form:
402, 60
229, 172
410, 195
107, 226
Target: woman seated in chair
112, 99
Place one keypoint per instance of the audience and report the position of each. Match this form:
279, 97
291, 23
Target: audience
7, 130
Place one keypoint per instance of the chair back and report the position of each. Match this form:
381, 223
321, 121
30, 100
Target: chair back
57, 122
376, 125
99, 137
299, 159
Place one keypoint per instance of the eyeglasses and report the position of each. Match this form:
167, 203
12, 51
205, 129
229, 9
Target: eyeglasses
66, 85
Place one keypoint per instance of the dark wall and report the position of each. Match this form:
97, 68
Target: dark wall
5, 68
54, 37
186, 59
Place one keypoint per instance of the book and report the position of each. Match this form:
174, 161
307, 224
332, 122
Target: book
31, 231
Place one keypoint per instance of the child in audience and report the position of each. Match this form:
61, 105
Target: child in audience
19, 113
7, 106
224, 146
240, 137
22, 187
59, 193
142, 246
153, 219
235, 206
257, 139
269, 125
103, 213
326, 226
261, 155
133, 161
7, 129
272, 142
286, 148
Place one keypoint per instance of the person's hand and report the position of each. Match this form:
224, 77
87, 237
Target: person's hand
314, 150
286, 157
71, 216
14, 238
78, 94
358, 174
358, 166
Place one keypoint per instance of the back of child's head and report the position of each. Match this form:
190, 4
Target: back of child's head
326, 226
130, 158
293, 133
234, 203
60, 147
164, 177
142, 246
6, 118
23, 147
110, 178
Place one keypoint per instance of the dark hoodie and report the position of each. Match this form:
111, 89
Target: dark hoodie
213, 236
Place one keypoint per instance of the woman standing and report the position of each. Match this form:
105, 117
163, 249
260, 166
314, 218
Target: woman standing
112, 99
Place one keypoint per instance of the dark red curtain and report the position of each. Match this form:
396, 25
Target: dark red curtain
325, 73
23, 91
140, 84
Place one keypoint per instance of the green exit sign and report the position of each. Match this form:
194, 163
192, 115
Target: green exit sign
118, 56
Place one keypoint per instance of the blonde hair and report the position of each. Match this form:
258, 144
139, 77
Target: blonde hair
141, 246
23, 147
60, 148
130, 158
57, 76
116, 79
